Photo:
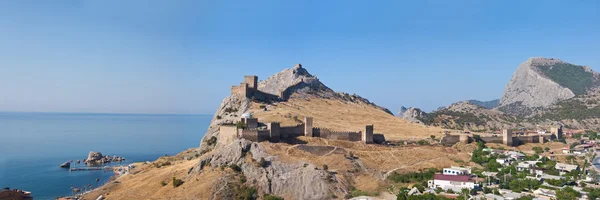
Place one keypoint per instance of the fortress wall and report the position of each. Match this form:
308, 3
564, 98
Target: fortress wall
357, 136
494, 140
450, 140
251, 135
291, 131
527, 139
263, 135
227, 134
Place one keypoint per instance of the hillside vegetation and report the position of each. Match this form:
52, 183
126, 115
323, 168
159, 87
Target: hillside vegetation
574, 77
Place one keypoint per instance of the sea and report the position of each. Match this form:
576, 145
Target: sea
33, 145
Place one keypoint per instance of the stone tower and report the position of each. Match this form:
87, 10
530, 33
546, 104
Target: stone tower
507, 138
557, 131
252, 81
274, 134
367, 136
308, 126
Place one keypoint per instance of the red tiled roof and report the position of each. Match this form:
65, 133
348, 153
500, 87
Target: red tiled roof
460, 178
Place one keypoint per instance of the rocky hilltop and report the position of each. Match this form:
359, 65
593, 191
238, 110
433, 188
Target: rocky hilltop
469, 116
542, 91
290, 83
541, 82
411, 114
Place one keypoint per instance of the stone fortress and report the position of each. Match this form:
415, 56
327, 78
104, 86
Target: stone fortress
249, 89
507, 138
249, 128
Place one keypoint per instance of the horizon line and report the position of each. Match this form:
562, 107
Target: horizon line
99, 113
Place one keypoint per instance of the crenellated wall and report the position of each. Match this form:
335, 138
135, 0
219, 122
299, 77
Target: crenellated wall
274, 132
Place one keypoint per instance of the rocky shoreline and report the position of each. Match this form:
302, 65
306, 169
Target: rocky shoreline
94, 158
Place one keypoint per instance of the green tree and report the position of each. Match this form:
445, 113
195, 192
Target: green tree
538, 150
567, 193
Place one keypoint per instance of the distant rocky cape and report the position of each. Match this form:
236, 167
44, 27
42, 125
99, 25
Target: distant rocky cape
542, 91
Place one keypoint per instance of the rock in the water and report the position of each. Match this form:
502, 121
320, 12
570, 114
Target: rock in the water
65, 165
94, 156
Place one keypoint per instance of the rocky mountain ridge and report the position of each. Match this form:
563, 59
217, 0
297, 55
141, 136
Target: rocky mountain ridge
542, 91
541, 82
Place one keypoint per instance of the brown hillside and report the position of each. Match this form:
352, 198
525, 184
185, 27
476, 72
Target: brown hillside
342, 116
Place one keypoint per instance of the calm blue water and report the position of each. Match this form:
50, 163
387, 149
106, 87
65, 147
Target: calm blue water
33, 145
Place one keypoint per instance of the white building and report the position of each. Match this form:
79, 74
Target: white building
451, 182
565, 168
457, 171
503, 161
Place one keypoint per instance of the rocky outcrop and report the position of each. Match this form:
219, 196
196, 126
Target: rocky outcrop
230, 110
541, 82
291, 80
98, 158
411, 114
94, 156
531, 88
275, 177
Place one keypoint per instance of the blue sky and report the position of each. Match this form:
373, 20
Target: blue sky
183, 56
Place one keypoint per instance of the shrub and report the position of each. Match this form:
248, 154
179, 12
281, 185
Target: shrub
163, 183
177, 182
351, 154
422, 142
412, 176
219, 117
231, 110
240, 125
325, 167
165, 164
538, 150
262, 106
547, 149
235, 168
212, 141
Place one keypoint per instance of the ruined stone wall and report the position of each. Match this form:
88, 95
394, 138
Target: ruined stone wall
337, 135
242, 89
291, 131
450, 140
248, 134
227, 134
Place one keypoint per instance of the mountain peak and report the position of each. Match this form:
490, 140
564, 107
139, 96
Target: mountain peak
540, 82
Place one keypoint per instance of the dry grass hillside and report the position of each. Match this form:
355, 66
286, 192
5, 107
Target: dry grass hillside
366, 172
342, 116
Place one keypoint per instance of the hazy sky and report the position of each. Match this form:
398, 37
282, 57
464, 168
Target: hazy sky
183, 56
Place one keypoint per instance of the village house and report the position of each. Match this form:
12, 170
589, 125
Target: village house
565, 168
456, 171
504, 161
451, 182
